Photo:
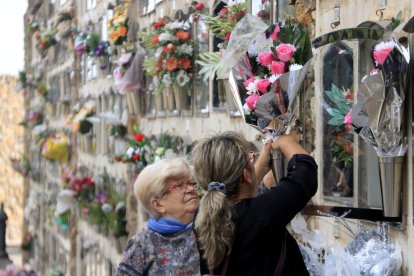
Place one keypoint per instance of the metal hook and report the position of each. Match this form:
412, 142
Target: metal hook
335, 24
380, 12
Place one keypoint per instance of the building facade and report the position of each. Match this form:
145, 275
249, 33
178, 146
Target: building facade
104, 117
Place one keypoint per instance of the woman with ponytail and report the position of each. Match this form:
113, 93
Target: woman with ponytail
240, 234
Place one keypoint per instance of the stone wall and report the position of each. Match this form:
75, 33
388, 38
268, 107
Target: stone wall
11, 146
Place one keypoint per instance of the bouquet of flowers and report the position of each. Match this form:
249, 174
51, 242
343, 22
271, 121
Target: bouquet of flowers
31, 119
32, 23
56, 147
223, 24
41, 89
174, 54
45, 39
378, 113
135, 153
79, 119
117, 29
267, 78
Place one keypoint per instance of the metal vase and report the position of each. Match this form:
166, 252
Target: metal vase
390, 169
278, 165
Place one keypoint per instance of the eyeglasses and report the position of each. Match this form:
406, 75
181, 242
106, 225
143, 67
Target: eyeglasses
180, 186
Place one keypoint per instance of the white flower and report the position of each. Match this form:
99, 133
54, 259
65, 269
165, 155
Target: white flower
252, 87
106, 208
182, 78
174, 25
167, 37
119, 206
246, 109
295, 67
158, 52
166, 79
185, 49
385, 45
138, 150
274, 77
130, 152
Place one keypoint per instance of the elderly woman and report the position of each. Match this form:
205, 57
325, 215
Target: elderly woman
241, 234
168, 192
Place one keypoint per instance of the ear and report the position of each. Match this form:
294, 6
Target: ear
157, 205
247, 177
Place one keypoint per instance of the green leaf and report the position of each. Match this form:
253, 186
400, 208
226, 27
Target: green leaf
336, 121
334, 112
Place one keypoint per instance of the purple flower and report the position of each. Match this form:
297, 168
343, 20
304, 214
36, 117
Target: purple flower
101, 197
103, 66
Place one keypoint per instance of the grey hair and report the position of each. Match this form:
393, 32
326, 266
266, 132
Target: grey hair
152, 180
221, 158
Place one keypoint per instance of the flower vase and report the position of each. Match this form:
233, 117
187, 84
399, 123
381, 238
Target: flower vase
111, 144
88, 143
120, 146
159, 98
181, 98
231, 105
130, 104
135, 102
390, 169
277, 164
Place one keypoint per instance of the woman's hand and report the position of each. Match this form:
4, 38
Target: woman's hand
288, 145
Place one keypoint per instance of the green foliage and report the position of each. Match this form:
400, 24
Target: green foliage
149, 65
85, 126
92, 41
210, 63
336, 96
298, 35
396, 21
118, 130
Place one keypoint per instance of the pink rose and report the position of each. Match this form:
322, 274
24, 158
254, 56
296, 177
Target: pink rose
262, 85
251, 101
275, 33
285, 52
199, 6
277, 67
348, 118
266, 58
381, 55
224, 10
249, 81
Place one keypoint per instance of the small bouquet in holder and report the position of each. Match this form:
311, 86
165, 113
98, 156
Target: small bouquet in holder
267, 78
378, 117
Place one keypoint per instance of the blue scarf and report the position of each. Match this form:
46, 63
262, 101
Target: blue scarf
167, 225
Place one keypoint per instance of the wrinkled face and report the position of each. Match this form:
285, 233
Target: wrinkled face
180, 199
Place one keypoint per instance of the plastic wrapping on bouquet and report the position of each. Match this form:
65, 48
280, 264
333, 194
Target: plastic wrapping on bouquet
391, 169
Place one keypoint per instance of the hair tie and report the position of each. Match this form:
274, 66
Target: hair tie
217, 186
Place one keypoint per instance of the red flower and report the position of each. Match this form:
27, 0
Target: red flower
139, 137
159, 23
227, 36
89, 182
136, 156
199, 6
223, 11
172, 64
169, 48
155, 40
185, 63
117, 158
183, 35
